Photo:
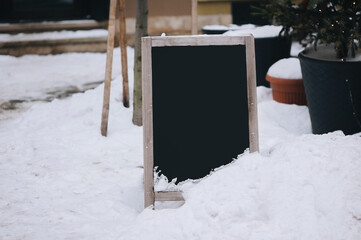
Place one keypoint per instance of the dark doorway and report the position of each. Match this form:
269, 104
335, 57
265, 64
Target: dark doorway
242, 13
52, 10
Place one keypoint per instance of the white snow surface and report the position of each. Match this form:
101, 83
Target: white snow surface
296, 48
257, 31
287, 68
60, 179
239, 30
64, 34
56, 22
328, 53
34, 77
229, 27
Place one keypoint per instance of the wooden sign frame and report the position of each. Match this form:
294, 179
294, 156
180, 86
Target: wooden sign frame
199, 40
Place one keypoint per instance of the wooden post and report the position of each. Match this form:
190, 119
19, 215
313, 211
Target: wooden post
149, 196
194, 17
114, 5
141, 30
108, 68
123, 51
252, 95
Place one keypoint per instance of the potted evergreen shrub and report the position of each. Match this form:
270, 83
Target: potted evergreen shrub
331, 67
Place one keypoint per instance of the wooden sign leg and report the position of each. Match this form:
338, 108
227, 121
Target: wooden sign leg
108, 68
147, 109
123, 51
194, 17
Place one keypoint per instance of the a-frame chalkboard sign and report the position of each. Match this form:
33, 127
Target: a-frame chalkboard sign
199, 106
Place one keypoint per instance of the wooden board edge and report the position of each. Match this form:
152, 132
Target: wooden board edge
169, 196
252, 95
199, 40
147, 111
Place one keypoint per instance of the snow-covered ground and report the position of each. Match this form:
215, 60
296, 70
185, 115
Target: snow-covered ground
60, 179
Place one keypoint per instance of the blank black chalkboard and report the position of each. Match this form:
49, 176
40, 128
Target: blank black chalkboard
200, 108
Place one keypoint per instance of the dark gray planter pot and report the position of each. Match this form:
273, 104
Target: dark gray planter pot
213, 31
333, 91
268, 51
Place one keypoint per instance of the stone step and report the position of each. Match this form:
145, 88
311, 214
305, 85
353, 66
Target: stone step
13, 28
53, 37
54, 46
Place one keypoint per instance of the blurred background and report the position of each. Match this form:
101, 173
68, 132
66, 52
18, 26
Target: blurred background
170, 16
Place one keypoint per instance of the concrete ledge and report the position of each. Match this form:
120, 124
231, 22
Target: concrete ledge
56, 46
12, 45
51, 26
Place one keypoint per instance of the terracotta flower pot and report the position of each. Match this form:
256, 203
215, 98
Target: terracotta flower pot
290, 91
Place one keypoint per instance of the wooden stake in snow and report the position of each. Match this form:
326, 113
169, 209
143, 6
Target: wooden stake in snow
109, 61
123, 51
194, 17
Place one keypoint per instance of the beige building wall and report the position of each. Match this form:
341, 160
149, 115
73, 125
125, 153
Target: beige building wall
174, 16
214, 13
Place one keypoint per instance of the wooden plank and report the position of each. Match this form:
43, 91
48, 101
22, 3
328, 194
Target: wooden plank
148, 152
198, 40
204, 1
108, 70
194, 17
51, 26
123, 52
252, 95
52, 42
169, 196
45, 49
